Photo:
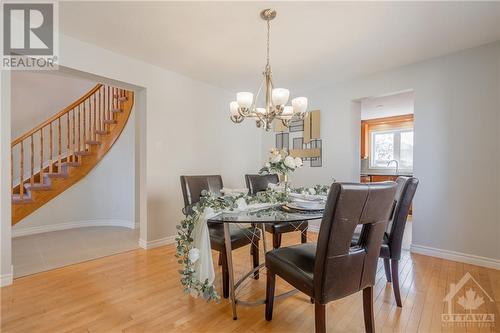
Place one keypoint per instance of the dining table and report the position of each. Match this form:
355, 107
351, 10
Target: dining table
257, 218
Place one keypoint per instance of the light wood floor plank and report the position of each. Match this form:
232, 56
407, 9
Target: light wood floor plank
139, 291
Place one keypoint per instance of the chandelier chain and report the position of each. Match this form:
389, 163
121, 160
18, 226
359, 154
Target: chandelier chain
268, 43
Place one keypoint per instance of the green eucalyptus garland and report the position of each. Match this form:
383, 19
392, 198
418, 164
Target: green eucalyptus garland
185, 238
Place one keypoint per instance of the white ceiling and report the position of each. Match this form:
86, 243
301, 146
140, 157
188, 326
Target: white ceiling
387, 106
312, 43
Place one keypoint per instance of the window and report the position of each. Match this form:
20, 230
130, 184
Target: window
390, 145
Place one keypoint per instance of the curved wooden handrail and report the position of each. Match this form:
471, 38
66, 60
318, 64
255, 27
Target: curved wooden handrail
57, 115
56, 154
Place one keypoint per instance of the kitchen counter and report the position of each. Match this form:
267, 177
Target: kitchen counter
363, 174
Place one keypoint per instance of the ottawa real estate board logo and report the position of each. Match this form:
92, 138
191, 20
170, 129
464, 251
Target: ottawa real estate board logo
30, 35
468, 305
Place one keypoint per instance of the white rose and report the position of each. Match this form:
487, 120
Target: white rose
268, 165
194, 293
298, 162
290, 162
194, 255
312, 191
276, 158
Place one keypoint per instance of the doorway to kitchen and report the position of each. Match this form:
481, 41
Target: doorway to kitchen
386, 142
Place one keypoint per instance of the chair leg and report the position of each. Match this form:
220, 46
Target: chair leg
303, 236
319, 318
255, 258
225, 275
276, 240
395, 281
271, 282
387, 267
368, 310
220, 259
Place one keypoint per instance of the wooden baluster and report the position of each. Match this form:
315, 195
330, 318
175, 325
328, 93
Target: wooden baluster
89, 135
74, 137
99, 111
67, 139
21, 172
79, 147
32, 160
59, 146
95, 124
50, 149
84, 128
41, 155
109, 105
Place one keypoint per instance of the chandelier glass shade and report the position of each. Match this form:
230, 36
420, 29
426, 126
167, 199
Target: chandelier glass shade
276, 99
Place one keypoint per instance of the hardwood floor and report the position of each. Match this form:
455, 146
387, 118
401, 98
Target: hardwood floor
139, 291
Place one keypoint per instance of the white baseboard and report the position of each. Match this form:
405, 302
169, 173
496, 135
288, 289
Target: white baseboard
18, 232
456, 256
7, 279
156, 243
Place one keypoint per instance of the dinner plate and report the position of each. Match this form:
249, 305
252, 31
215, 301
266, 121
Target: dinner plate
306, 205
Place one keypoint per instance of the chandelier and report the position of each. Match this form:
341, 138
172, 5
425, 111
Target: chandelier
275, 106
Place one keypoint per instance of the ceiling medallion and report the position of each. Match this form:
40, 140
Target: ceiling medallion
275, 106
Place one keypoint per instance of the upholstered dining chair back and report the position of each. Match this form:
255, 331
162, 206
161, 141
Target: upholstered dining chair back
341, 269
192, 186
407, 186
258, 183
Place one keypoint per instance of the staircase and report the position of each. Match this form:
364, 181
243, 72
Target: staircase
56, 154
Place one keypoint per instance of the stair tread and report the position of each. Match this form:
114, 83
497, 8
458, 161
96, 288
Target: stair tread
37, 186
56, 175
102, 132
83, 153
116, 110
93, 142
71, 164
110, 121
16, 198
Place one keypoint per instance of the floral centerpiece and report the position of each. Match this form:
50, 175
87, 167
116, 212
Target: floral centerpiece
281, 163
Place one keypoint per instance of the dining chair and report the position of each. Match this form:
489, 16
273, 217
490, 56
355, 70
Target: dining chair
192, 186
392, 242
331, 268
258, 183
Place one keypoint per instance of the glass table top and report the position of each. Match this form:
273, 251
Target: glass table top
270, 215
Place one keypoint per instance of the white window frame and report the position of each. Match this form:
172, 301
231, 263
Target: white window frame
397, 146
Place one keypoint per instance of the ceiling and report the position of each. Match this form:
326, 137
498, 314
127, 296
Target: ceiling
312, 43
387, 106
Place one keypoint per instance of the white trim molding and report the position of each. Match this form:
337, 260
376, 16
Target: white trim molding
7, 279
18, 232
456, 256
156, 243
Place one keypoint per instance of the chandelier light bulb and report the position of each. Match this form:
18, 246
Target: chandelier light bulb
244, 99
233, 108
280, 96
299, 104
287, 111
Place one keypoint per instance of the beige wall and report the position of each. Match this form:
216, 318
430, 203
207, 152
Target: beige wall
456, 148
38, 95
